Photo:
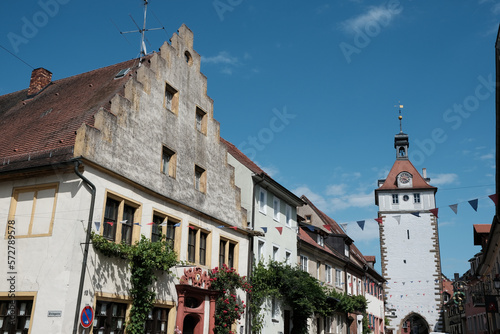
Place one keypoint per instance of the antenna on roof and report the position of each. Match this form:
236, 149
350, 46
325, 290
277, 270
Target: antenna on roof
400, 106
142, 31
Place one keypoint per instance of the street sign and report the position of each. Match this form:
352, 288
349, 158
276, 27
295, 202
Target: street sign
87, 317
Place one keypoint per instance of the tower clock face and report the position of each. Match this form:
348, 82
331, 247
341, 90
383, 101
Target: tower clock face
404, 178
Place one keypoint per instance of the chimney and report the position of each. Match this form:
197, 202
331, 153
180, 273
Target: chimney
40, 78
424, 173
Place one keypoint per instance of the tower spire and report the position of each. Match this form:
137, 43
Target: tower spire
401, 142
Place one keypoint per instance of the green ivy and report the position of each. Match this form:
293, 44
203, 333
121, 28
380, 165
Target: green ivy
144, 258
300, 291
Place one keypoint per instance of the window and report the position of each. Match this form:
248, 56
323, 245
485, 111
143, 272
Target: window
328, 274
168, 162
288, 215
349, 284
109, 317
260, 250
197, 245
320, 240
164, 225
33, 208
157, 321
346, 250
200, 179
171, 99
416, 198
318, 266
303, 263
276, 253
360, 292
339, 323
20, 323
308, 219
262, 201
408, 234
201, 120
276, 208
288, 257
328, 324
338, 278
118, 223
227, 253
395, 199
274, 308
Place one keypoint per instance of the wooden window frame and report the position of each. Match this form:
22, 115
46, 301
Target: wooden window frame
174, 103
20, 297
172, 161
200, 120
199, 234
14, 203
200, 183
118, 225
228, 248
175, 239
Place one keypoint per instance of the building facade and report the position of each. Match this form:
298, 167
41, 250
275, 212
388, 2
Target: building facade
124, 151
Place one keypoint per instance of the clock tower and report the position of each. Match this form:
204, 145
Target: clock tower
409, 245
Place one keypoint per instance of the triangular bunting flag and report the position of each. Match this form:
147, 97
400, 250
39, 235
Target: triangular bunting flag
163, 224
264, 229
139, 224
434, 212
110, 223
473, 203
123, 221
378, 220
97, 226
177, 225
328, 227
280, 229
221, 226
234, 227
343, 226
494, 198
416, 214
310, 227
361, 224
454, 207
398, 218
150, 223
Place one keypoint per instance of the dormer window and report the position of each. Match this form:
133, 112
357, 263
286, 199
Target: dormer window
320, 240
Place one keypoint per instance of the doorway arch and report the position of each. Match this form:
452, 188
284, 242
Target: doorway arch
414, 323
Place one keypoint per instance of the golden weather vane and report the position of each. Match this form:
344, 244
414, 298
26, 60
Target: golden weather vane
400, 106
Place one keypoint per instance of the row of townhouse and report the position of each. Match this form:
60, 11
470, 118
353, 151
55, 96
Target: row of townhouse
133, 150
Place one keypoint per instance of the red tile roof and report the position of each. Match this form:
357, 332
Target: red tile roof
400, 166
45, 125
482, 228
335, 228
370, 258
242, 158
305, 237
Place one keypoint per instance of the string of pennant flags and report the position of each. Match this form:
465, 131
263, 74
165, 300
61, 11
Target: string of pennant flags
98, 225
454, 207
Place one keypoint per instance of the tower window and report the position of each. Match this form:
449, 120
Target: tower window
408, 234
395, 199
402, 152
416, 198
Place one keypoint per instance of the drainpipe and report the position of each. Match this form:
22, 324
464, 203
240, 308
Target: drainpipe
250, 254
87, 242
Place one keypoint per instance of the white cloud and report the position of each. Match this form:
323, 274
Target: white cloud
370, 232
273, 171
380, 15
335, 190
356, 200
316, 199
496, 9
222, 58
487, 156
441, 179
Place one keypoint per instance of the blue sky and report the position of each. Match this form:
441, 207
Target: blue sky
308, 89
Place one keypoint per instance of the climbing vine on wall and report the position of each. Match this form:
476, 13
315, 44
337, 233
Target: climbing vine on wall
144, 258
299, 291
